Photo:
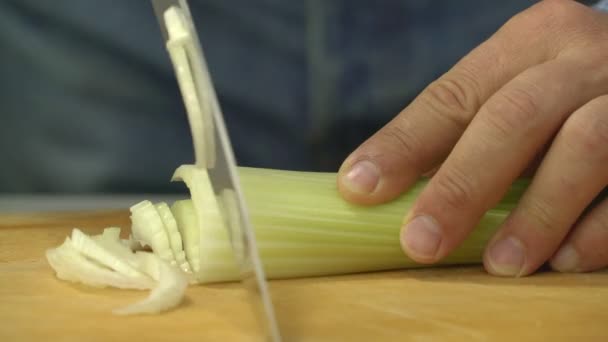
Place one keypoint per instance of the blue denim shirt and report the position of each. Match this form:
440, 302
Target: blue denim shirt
88, 100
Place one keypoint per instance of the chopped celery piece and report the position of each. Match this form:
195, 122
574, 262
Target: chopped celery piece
212, 233
103, 260
217, 257
97, 252
71, 265
148, 228
187, 225
169, 291
175, 239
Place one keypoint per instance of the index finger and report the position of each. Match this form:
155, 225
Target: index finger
423, 134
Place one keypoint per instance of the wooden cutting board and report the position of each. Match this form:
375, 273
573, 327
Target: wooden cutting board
445, 304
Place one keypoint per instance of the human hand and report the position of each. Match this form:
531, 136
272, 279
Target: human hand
537, 90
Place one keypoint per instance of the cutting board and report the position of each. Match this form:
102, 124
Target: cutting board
441, 304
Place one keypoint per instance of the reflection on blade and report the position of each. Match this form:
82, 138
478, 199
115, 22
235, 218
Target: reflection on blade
213, 150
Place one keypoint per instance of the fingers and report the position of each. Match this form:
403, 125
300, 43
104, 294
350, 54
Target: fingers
572, 174
586, 248
504, 137
425, 132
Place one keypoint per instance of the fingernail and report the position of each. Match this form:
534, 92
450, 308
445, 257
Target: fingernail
566, 259
421, 238
363, 177
507, 257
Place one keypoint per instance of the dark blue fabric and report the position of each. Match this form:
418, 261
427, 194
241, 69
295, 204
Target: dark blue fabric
602, 5
88, 101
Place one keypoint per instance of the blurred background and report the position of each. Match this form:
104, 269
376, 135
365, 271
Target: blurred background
89, 103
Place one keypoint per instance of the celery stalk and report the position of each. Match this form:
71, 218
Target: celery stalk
304, 228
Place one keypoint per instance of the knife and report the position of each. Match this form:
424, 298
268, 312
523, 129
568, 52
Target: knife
213, 151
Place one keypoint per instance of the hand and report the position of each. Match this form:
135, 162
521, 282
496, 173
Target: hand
536, 90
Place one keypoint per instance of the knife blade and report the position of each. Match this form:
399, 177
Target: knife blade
214, 152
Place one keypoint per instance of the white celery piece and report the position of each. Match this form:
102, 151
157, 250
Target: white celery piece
195, 91
110, 234
148, 228
217, 258
110, 241
304, 228
187, 224
168, 292
212, 239
95, 251
103, 260
71, 265
175, 239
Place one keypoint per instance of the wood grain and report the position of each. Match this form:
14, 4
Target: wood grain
445, 304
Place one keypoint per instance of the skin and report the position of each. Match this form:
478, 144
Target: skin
534, 96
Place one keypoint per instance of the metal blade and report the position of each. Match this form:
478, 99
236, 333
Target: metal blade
223, 175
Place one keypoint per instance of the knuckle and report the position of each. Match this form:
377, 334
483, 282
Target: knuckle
510, 109
455, 188
403, 142
558, 8
531, 18
597, 55
596, 141
551, 16
541, 214
588, 133
454, 99
560, 12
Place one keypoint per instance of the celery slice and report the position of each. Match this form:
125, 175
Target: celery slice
168, 292
217, 256
175, 239
148, 228
188, 227
108, 258
71, 265
212, 234
103, 260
